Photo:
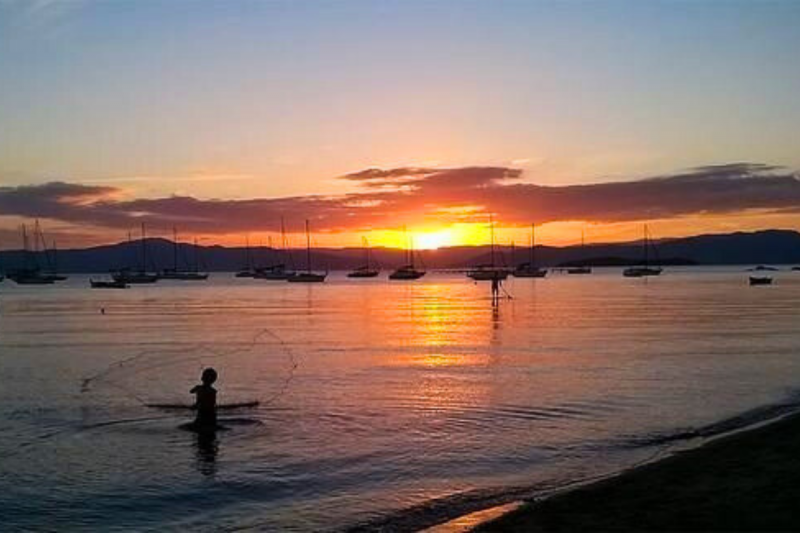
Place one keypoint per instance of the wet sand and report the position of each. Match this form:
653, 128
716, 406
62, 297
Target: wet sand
749, 481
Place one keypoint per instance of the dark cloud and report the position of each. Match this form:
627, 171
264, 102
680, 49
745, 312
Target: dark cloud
426, 192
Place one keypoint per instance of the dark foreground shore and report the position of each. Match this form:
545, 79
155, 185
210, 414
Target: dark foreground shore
748, 481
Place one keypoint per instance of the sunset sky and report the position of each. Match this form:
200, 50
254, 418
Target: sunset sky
222, 117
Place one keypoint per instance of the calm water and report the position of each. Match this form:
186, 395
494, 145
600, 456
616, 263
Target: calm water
409, 402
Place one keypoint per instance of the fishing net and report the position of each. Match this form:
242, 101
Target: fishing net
252, 371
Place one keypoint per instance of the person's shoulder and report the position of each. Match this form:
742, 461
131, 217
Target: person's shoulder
196, 388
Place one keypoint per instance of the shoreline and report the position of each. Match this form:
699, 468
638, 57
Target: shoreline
748, 479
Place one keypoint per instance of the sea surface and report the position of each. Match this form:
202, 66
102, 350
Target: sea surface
391, 404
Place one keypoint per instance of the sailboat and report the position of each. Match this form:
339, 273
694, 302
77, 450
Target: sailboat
583, 269
248, 271
30, 273
646, 269
491, 271
365, 270
408, 271
308, 276
140, 275
191, 274
276, 271
529, 269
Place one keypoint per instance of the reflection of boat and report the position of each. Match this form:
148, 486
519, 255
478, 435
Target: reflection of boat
762, 268
408, 271
755, 280
581, 269
365, 270
646, 269
192, 273
100, 284
490, 272
308, 276
529, 269
139, 275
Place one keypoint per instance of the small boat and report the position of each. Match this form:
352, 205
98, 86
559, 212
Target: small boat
366, 270
529, 269
490, 272
646, 269
407, 272
308, 276
796, 269
113, 284
758, 280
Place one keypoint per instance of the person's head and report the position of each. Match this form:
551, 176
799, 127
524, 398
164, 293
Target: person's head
209, 376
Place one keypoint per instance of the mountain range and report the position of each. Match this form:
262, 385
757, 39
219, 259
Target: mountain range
761, 247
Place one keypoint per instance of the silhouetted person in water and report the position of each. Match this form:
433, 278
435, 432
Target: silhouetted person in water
206, 401
495, 290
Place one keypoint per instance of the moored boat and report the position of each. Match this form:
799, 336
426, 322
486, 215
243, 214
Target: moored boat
192, 273
529, 269
103, 284
407, 272
136, 277
644, 270
580, 269
490, 272
308, 276
366, 270
277, 272
760, 280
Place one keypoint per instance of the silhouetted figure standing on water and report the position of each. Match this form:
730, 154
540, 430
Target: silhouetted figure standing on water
495, 290
206, 401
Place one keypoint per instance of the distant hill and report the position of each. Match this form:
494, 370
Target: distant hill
762, 247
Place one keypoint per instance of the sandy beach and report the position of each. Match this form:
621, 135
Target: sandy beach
749, 481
